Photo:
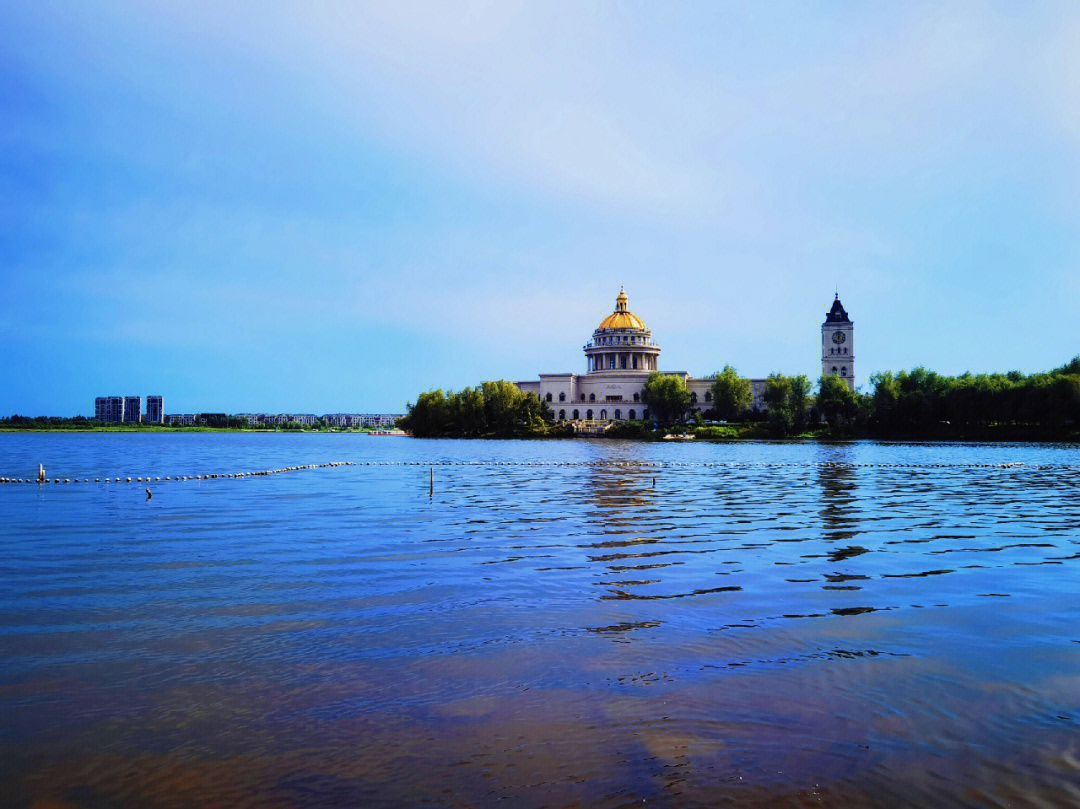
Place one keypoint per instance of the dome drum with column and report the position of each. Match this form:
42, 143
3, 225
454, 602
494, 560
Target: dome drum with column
621, 342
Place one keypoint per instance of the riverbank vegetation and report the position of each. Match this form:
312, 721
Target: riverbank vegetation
208, 422
911, 405
490, 410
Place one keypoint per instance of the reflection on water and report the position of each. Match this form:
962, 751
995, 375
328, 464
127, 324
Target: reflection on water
589, 623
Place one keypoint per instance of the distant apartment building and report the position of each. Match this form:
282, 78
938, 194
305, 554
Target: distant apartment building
109, 409
377, 419
180, 419
155, 411
132, 409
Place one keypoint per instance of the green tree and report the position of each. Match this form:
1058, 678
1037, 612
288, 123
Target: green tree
731, 395
777, 395
666, 396
494, 408
799, 401
839, 404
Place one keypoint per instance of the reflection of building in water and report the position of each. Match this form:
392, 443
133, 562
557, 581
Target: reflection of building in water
838, 493
620, 493
621, 355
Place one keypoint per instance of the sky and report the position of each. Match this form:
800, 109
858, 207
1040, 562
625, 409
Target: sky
327, 207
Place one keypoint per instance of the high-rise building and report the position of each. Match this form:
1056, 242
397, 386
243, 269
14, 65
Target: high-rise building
155, 411
132, 409
838, 344
109, 409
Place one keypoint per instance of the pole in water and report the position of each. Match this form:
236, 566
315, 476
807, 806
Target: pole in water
654, 483
431, 481
41, 473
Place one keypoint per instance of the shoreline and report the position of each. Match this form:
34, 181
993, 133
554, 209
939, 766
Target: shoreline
738, 434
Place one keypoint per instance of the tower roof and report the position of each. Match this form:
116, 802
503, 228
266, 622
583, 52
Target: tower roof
837, 314
621, 318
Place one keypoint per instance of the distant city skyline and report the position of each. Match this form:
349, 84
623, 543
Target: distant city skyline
303, 208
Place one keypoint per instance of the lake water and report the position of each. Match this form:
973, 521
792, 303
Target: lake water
568, 622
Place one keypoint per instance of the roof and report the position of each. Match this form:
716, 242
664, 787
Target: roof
837, 314
622, 318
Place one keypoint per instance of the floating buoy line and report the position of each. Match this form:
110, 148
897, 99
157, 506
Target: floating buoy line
721, 464
161, 479
580, 464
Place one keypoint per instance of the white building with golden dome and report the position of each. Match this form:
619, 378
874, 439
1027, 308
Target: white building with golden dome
619, 358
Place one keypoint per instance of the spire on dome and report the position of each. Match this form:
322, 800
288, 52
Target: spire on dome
621, 301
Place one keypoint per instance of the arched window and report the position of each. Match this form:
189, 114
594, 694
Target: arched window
588, 415
583, 397
693, 397
592, 396
562, 415
576, 416
562, 397
708, 396
843, 371
632, 415
603, 415
618, 414
834, 369
637, 397
549, 397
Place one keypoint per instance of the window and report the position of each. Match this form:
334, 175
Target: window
549, 397
632, 415
618, 414
708, 396
611, 363
562, 415
592, 397
693, 397
583, 397
637, 397
834, 369
588, 415
562, 397
576, 415
843, 372
603, 415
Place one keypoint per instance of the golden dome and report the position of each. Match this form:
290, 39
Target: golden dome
621, 318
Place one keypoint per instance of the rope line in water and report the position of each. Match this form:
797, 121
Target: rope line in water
723, 464
589, 464
210, 476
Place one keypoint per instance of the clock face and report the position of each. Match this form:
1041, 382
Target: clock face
838, 337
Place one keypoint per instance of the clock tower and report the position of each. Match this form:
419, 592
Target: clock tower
837, 344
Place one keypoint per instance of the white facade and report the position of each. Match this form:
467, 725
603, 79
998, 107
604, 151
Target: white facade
619, 358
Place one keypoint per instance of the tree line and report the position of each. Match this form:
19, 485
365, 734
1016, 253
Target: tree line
492, 409
914, 404
202, 420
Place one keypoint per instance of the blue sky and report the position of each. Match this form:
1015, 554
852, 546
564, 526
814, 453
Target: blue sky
332, 206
